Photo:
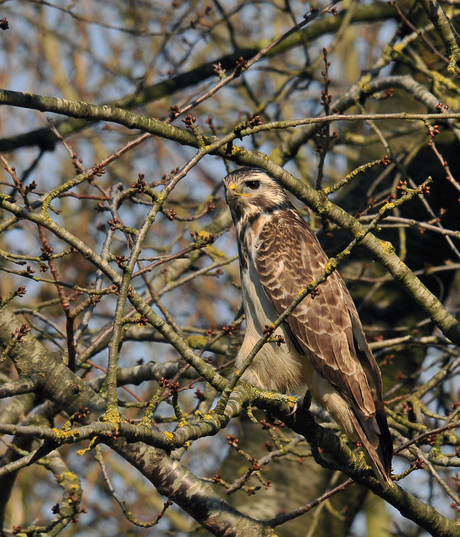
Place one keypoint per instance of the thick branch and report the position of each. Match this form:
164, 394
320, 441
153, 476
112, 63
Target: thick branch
383, 251
445, 30
408, 505
170, 478
46, 139
69, 392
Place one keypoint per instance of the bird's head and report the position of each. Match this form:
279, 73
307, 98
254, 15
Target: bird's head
251, 191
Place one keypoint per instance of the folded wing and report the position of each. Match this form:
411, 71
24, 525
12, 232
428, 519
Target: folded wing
326, 328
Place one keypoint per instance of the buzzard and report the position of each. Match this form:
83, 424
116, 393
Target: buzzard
325, 343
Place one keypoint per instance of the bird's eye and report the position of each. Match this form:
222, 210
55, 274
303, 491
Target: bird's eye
253, 185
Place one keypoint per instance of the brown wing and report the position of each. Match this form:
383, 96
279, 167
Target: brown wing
327, 327
288, 258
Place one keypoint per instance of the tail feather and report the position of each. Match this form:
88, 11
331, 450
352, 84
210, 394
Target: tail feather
375, 437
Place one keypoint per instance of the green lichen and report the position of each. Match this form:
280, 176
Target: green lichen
63, 436
112, 415
196, 341
82, 452
387, 247
68, 477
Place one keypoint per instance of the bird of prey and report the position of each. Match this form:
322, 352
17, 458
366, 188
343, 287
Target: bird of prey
325, 343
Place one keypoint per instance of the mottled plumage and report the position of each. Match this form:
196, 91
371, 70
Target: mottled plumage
325, 344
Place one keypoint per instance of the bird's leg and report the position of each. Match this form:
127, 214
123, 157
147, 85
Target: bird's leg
313, 437
270, 417
306, 402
